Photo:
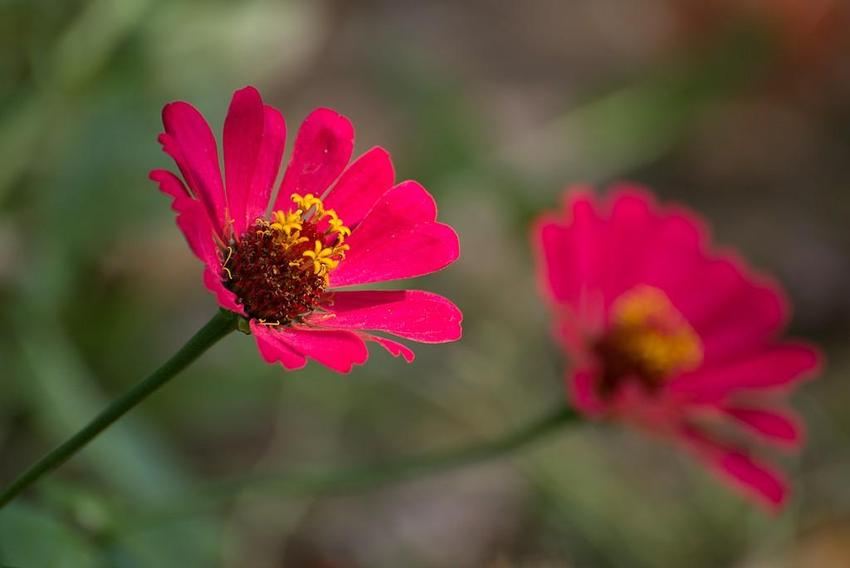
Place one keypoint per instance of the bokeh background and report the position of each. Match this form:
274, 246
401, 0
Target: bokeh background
738, 108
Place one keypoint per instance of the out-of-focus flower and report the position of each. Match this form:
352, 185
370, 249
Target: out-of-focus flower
331, 225
668, 335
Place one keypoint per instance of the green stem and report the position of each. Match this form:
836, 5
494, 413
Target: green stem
394, 471
219, 326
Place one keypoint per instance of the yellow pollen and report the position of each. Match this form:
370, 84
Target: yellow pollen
300, 225
650, 331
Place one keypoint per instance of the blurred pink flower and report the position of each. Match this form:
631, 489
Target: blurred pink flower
331, 225
671, 336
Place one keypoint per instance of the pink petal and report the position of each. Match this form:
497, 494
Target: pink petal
771, 367
397, 239
193, 221
191, 216
418, 250
336, 349
631, 222
274, 349
754, 478
553, 247
322, 150
243, 133
759, 480
752, 318
412, 314
677, 254
226, 298
583, 386
190, 142
360, 186
573, 252
268, 165
393, 347
773, 425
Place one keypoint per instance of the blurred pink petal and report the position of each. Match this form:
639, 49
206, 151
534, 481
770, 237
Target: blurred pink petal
774, 425
663, 331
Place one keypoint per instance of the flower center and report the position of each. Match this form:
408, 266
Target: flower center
279, 269
649, 340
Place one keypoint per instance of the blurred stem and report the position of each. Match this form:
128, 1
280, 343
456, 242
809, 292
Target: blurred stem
218, 327
375, 475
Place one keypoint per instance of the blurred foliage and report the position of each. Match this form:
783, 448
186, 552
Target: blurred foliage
496, 107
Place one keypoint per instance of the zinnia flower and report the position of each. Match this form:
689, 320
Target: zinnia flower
671, 336
331, 225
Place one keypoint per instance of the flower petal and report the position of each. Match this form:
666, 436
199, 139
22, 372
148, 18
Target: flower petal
322, 150
336, 349
573, 252
360, 186
393, 347
243, 134
226, 298
190, 142
191, 216
193, 221
749, 320
631, 222
398, 239
268, 165
771, 367
274, 349
773, 425
754, 478
412, 314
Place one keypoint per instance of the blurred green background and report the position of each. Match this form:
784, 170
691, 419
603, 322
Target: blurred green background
739, 108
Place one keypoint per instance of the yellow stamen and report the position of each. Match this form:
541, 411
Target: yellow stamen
652, 332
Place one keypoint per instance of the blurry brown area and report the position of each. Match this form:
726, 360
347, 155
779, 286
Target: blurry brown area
739, 109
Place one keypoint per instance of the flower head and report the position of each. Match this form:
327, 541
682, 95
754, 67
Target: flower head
279, 263
670, 336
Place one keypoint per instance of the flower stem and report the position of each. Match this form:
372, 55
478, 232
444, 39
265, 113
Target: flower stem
391, 471
219, 326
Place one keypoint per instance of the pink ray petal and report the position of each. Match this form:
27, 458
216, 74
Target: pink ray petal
585, 250
336, 349
268, 165
751, 319
190, 142
631, 223
755, 479
776, 366
322, 150
395, 348
415, 251
360, 186
775, 426
191, 218
226, 298
397, 239
554, 277
194, 223
274, 349
243, 135
412, 314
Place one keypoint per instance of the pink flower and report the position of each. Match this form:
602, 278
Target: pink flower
331, 225
671, 336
